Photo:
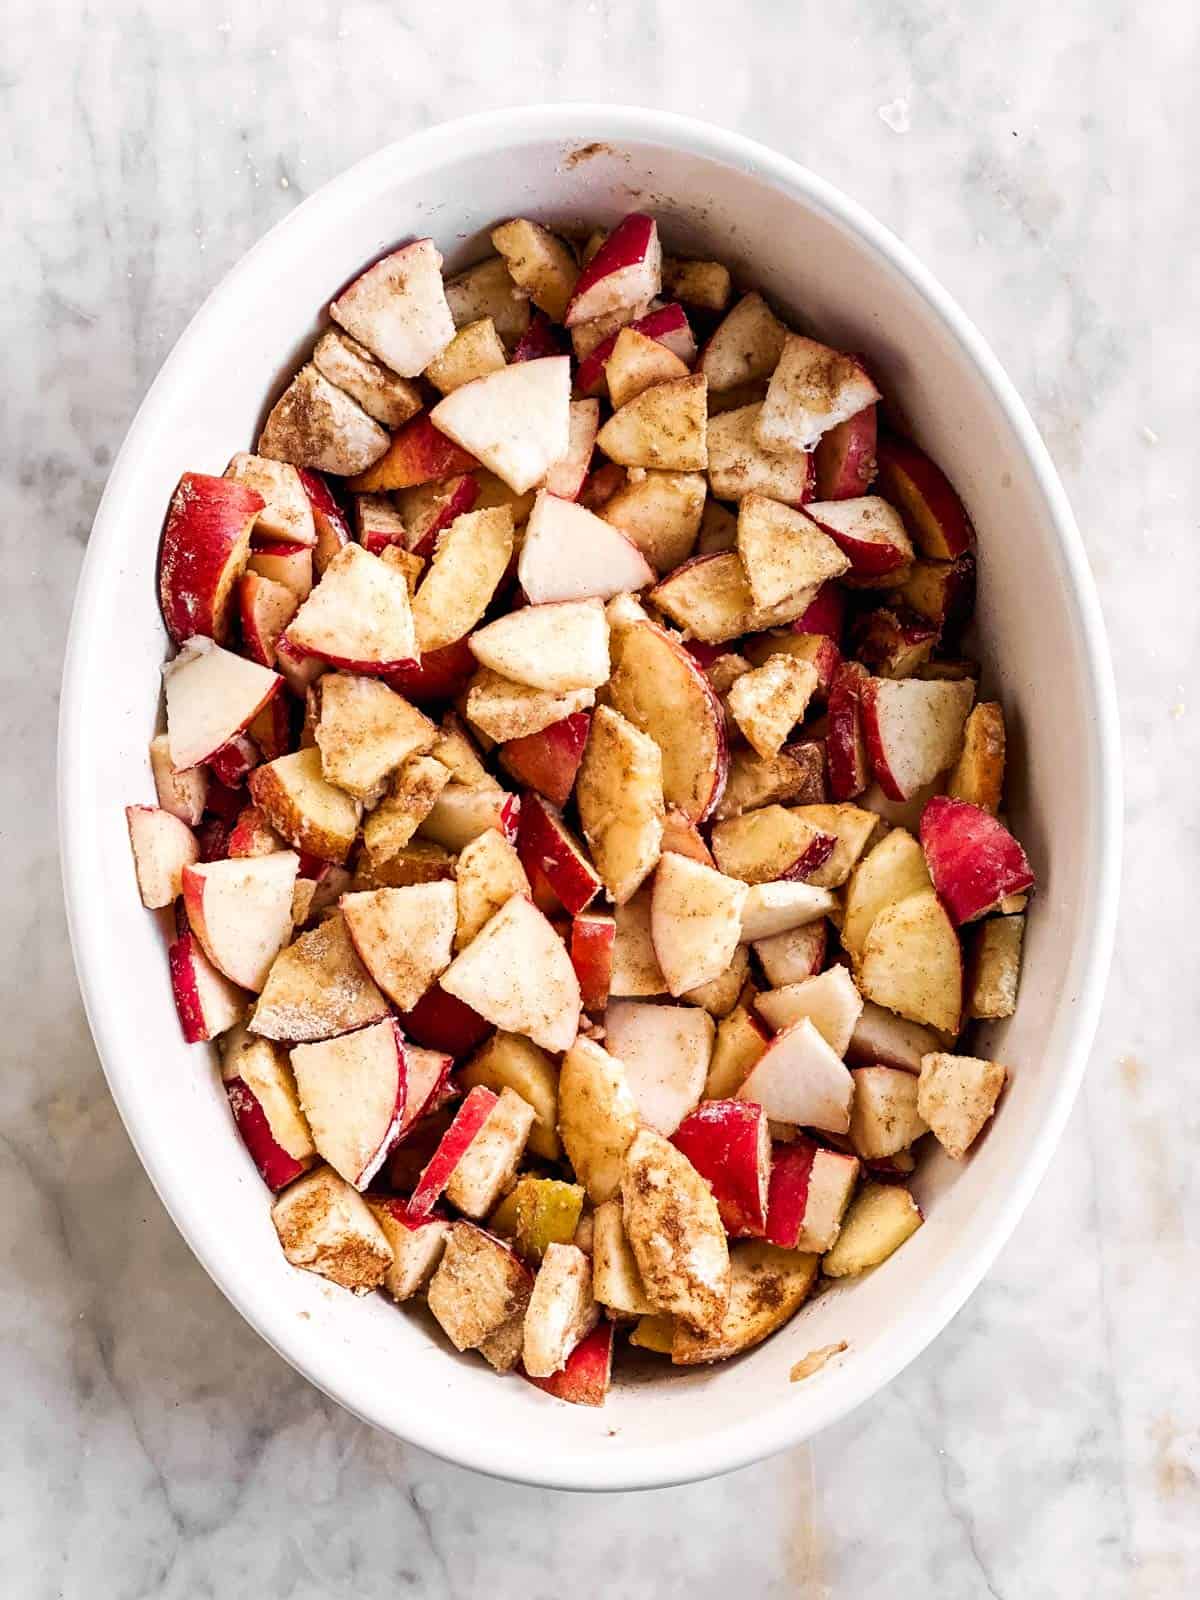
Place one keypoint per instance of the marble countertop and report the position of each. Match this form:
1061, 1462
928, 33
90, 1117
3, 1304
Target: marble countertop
1048, 1444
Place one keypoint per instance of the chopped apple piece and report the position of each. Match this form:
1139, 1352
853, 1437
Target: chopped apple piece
317, 988
480, 1286
325, 1226
881, 1218
352, 1091
358, 616
796, 773
746, 346
885, 1118
994, 970
616, 1281
315, 425
241, 912
845, 743
978, 774
286, 513
660, 513
475, 351
561, 1312
489, 873
557, 647
539, 264
770, 843
738, 465
162, 847
892, 871
416, 1245
697, 283
870, 533
403, 937
412, 794
452, 1146
792, 956
300, 805
943, 592
516, 421
974, 861
262, 1095
620, 798
504, 710
955, 1095
207, 1003
471, 558
852, 828
543, 1211
365, 731
934, 515
264, 609
800, 1080
593, 955
626, 271
549, 850
489, 1163
517, 974
881, 1037
180, 793
398, 308
810, 1190
635, 972
211, 695
728, 1143
567, 476
911, 962
204, 549
638, 363
812, 389
548, 761
487, 290
768, 701
329, 520
585, 1379
378, 525
382, 394
718, 529
740, 1041
508, 1061
778, 905
664, 426
767, 1287
830, 1001
595, 342
597, 1117
675, 1230
695, 921
783, 551
419, 453
655, 1333
845, 457
665, 1051
460, 814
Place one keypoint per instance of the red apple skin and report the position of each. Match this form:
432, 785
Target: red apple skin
972, 858
547, 762
593, 934
455, 497
276, 1167
825, 656
253, 835
723, 1139
203, 551
891, 645
845, 457
935, 517
544, 843
182, 954
468, 1120
333, 531
213, 837
681, 835
233, 761
845, 746
439, 675
441, 1021
424, 1097
600, 485
668, 325
826, 614
705, 654
539, 339
787, 1196
814, 855
224, 800
585, 1379
869, 558
254, 608
271, 728
418, 454
868, 705
626, 246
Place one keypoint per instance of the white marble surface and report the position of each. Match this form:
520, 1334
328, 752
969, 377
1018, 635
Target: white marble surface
1048, 1445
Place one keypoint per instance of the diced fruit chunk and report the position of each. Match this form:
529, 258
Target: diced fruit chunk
767, 1287
890, 872
770, 843
616, 1281
404, 937
416, 1246
585, 1379
933, 513
352, 1090
620, 798
798, 1079
398, 308
317, 988
310, 813
978, 775
548, 761
914, 730
911, 962
784, 551
812, 389
382, 393
262, 1096
358, 616
517, 974
325, 1226
956, 1095
625, 271
490, 1161
471, 558
695, 921
881, 1218
675, 1230
738, 465
516, 421
974, 861
729, 1144
995, 967
205, 546
569, 553
211, 695
597, 1117
746, 346
315, 425
561, 1310
830, 1000
241, 911
508, 1061
162, 847
885, 1118
480, 1286
768, 701
810, 1190
558, 647
665, 1051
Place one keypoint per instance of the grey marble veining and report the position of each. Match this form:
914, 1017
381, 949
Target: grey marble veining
1048, 1445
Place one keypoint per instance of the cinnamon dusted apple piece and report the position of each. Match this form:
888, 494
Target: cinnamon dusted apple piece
830, 1000
911, 962
771, 843
548, 761
181, 793
264, 610
460, 814
509, 1061
504, 710
286, 513
475, 351
779, 905
767, 1287
809, 1192
729, 1144
741, 1040
419, 453
995, 967
812, 389
675, 1231
539, 263
783, 551
480, 1286
792, 956
616, 1281
398, 308
487, 290
893, 870
358, 616
974, 861
795, 773
634, 970
489, 1163
933, 513
978, 774
162, 847
695, 921
661, 514
665, 426
352, 1089
325, 1226
567, 476
594, 342
562, 1310
455, 1140
308, 812
489, 873
241, 911
318, 988
881, 1036
517, 974
746, 346
456, 750
404, 937
382, 393
550, 851
738, 465
365, 731
471, 558
516, 421
412, 794
705, 284
852, 829
314, 424
262, 1095
638, 363
205, 547
559, 647
211, 696
416, 1246
626, 271
871, 534
885, 1119
206, 1001
378, 526
768, 701
955, 1096
593, 955
597, 1117
620, 796
845, 457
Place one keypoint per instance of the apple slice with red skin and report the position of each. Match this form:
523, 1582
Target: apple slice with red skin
812, 389
809, 1191
738, 465
625, 271
516, 972
585, 1379
460, 814
211, 695
419, 453
430, 507
241, 911
204, 549
378, 524
973, 859
162, 847
233, 762
265, 608
936, 518
428, 1083
867, 530
358, 617
567, 476
799, 1080
470, 1117
288, 564
353, 1090
794, 955
181, 793
516, 421
545, 842
658, 686
398, 308
666, 324
541, 338
830, 1000
262, 1095
729, 1144
845, 457
826, 613
913, 729
769, 844
253, 835
441, 1021
439, 675
593, 935
891, 644
298, 670
681, 835
333, 531
845, 743
207, 1002
943, 592
548, 761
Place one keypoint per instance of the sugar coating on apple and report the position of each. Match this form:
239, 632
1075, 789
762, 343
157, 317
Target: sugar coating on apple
517, 974
382, 393
799, 1080
659, 512
470, 1117
241, 911
955, 1097
570, 554
211, 695
745, 347
783, 551
315, 424
973, 859
767, 702
472, 556
538, 263
516, 421
695, 921
885, 1119
912, 962
914, 730
205, 546
317, 987
365, 731
635, 972
676, 1233
767, 1287
881, 1036
287, 512
487, 290
548, 761
739, 465
625, 271
162, 847
665, 426
352, 1089
479, 1287
658, 687
561, 1312
207, 1002
729, 1144
665, 1051
398, 309
812, 389
358, 616
890, 872
325, 1226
